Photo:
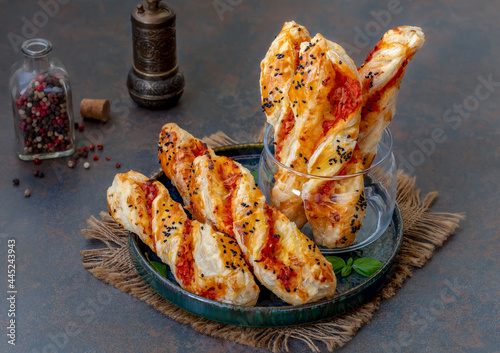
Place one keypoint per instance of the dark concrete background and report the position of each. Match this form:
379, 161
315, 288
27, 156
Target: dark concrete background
449, 305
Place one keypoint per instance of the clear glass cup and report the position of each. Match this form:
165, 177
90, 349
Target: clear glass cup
41, 103
377, 182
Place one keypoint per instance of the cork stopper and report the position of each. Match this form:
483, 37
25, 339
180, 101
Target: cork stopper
97, 109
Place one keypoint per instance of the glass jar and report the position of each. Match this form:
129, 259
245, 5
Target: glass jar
41, 104
361, 203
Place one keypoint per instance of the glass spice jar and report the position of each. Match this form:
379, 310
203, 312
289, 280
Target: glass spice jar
41, 103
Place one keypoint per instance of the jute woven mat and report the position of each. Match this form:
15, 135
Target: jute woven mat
423, 232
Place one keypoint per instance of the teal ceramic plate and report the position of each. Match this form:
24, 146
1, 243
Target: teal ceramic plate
270, 311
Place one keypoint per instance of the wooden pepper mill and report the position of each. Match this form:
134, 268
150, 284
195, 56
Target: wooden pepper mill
155, 80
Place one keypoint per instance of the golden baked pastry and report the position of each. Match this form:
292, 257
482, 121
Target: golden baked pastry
336, 222
336, 208
278, 69
381, 75
203, 261
325, 98
223, 193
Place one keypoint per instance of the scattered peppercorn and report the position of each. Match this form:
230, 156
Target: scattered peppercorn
27, 193
99, 146
81, 127
118, 165
92, 147
15, 182
86, 165
37, 161
96, 158
108, 158
71, 164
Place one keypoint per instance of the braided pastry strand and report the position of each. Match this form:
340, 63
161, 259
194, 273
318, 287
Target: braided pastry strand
224, 193
203, 261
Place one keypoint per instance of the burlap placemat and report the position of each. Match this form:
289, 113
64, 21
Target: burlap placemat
423, 232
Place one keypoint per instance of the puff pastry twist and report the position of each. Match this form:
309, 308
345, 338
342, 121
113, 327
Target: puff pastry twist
203, 261
335, 222
381, 75
278, 69
221, 192
325, 102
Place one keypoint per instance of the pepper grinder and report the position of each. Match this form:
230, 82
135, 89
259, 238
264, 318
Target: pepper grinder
155, 80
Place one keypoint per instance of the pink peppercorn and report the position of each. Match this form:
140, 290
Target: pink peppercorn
96, 157
81, 127
92, 147
99, 146
118, 165
37, 161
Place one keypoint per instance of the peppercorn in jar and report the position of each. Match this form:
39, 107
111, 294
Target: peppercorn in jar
42, 105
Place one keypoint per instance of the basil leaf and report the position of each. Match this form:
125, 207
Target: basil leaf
346, 271
366, 266
161, 268
255, 174
337, 262
349, 262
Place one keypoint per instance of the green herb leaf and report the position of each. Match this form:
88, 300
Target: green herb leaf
366, 266
349, 262
255, 174
337, 262
158, 266
346, 271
